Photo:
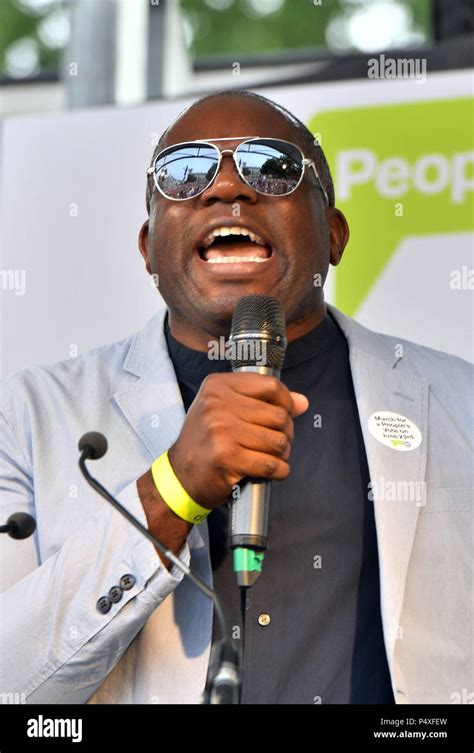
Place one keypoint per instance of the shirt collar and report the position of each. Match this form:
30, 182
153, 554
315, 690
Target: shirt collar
320, 339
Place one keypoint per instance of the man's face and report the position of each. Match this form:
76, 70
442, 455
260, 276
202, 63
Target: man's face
294, 228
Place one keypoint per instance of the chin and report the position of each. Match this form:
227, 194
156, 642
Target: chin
217, 317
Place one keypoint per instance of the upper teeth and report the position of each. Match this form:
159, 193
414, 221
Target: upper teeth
234, 230
234, 259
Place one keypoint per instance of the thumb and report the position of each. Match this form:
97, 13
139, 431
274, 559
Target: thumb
300, 403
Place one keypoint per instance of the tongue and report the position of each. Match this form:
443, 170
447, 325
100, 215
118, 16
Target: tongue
243, 249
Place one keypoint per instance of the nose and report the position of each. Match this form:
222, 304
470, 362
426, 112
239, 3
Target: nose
228, 186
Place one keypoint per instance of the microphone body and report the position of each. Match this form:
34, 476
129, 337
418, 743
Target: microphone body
251, 508
259, 342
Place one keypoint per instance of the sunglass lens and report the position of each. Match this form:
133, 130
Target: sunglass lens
270, 166
183, 172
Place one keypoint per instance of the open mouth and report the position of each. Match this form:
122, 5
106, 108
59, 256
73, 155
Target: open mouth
234, 245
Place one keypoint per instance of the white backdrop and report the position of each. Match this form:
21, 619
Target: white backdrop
72, 202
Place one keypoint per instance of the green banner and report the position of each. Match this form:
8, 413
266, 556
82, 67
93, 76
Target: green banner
399, 170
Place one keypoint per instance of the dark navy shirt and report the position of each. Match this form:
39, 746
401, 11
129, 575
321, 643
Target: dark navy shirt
310, 628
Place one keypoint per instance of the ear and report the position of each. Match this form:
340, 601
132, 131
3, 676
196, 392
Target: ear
338, 234
143, 245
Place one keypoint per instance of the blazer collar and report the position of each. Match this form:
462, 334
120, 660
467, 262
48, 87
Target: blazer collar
367, 341
147, 345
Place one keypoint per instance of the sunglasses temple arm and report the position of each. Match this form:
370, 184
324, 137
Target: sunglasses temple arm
310, 163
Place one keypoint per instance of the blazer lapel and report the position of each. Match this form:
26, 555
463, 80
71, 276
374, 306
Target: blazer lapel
153, 405
379, 386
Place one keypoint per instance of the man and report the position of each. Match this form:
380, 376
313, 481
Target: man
91, 612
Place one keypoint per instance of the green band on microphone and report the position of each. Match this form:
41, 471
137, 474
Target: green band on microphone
247, 559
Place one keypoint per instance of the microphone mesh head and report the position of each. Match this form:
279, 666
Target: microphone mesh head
259, 321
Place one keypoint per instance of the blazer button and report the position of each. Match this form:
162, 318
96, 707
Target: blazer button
104, 605
127, 582
115, 594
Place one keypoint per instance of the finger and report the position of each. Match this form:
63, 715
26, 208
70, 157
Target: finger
300, 403
259, 413
263, 387
261, 465
261, 439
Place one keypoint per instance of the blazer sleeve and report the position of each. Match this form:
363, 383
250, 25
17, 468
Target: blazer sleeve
56, 646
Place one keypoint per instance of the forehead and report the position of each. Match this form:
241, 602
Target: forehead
231, 116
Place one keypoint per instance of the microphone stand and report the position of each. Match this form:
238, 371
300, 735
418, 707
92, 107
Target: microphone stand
223, 682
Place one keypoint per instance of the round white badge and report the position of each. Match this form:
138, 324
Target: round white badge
394, 430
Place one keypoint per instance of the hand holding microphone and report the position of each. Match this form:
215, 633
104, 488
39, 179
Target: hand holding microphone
239, 429
240, 424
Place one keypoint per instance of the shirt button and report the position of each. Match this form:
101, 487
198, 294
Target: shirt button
264, 619
104, 605
127, 581
115, 594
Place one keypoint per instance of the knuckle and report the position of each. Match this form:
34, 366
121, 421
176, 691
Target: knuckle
270, 467
207, 401
215, 446
219, 445
281, 443
273, 384
280, 416
286, 454
207, 384
213, 424
211, 406
211, 385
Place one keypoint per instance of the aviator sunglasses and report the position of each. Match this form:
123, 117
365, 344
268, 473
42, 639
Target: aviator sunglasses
272, 167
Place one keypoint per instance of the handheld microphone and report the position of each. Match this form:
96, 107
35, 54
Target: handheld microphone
224, 677
19, 525
258, 344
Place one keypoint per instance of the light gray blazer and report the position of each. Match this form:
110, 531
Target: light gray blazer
153, 645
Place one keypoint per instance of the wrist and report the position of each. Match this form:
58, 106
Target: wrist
162, 522
174, 494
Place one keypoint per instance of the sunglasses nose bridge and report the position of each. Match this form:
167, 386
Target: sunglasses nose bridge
227, 153
222, 154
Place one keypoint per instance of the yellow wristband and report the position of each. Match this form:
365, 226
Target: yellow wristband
175, 496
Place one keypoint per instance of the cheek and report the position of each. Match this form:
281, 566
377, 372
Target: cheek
303, 220
314, 230
168, 243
